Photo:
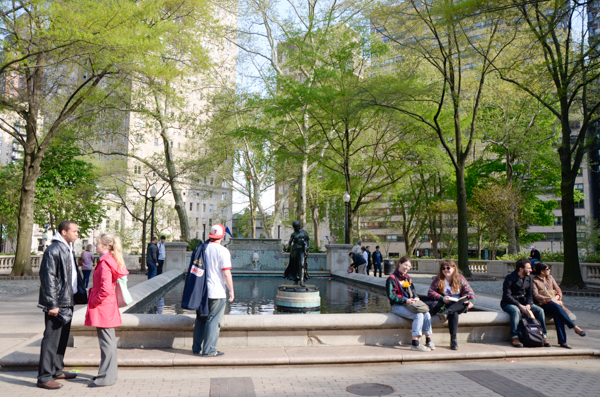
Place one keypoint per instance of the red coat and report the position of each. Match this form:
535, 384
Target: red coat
103, 310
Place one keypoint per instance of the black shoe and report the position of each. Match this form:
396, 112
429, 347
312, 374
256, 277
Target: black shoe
453, 345
215, 354
94, 385
565, 345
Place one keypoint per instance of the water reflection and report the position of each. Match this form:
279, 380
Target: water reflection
256, 296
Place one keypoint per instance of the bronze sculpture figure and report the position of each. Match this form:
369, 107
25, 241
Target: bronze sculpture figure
297, 269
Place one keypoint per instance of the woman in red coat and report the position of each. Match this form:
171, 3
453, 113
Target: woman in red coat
103, 310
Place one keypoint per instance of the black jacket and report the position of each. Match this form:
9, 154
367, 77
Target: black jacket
358, 260
152, 254
55, 277
517, 290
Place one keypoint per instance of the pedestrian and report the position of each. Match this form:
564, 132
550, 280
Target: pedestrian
517, 298
406, 303
357, 248
548, 295
161, 255
369, 259
358, 262
152, 257
59, 282
452, 295
218, 270
534, 255
365, 256
377, 261
87, 262
103, 309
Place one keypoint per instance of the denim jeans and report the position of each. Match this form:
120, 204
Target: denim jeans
151, 270
86, 277
421, 321
515, 316
206, 329
377, 267
561, 318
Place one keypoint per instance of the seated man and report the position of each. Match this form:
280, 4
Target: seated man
358, 262
517, 296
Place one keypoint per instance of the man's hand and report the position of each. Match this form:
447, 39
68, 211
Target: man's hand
523, 309
53, 312
231, 296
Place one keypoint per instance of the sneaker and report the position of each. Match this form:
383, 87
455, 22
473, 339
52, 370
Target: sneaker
420, 348
443, 318
430, 345
215, 354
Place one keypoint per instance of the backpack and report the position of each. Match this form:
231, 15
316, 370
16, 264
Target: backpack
195, 291
530, 332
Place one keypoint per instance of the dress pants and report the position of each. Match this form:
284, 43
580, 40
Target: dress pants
54, 345
560, 316
159, 268
107, 372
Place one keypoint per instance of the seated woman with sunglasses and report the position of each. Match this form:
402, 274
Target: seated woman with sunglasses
548, 295
452, 295
406, 303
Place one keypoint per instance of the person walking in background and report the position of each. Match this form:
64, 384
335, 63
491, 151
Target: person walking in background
357, 248
377, 261
453, 295
365, 256
406, 303
103, 309
534, 255
152, 258
517, 298
59, 280
161, 255
548, 295
87, 262
218, 270
369, 259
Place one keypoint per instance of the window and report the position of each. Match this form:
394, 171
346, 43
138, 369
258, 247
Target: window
196, 221
579, 186
191, 206
580, 204
210, 209
155, 141
212, 181
139, 138
197, 207
178, 145
107, 223
210, 195
558, 220
210, 221
223, 196
203, 207
224, 211
137, 169
116, 224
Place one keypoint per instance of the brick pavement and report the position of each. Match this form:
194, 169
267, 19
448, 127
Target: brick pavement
558, 378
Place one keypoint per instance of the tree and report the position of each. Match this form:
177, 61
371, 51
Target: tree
61, 60
435, 46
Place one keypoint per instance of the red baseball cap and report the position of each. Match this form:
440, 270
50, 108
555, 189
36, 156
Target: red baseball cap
217, 231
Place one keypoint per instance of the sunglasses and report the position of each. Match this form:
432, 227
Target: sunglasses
447, 267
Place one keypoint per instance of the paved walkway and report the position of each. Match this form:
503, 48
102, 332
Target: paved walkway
481, 379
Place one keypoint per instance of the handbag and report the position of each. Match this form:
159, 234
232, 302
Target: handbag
123, 296
418, 307
350, 269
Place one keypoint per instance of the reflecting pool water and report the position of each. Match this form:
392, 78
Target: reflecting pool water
256, 295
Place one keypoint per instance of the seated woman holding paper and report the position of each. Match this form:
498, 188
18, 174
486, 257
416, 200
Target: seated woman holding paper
452, 295
548, 295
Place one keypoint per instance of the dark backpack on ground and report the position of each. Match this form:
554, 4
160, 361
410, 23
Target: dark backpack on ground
530, 330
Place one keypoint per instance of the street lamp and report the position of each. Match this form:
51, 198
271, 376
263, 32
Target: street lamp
153, 193
347, 201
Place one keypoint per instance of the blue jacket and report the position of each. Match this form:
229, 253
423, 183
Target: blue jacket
195, 292
377, 257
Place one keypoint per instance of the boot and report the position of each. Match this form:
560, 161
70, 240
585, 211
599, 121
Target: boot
453, 343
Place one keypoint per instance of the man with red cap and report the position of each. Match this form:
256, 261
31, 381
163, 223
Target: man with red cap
218, 277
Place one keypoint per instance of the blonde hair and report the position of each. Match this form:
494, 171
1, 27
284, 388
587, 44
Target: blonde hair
114, 247
89, 247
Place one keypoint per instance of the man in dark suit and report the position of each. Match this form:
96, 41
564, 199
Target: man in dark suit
59, 280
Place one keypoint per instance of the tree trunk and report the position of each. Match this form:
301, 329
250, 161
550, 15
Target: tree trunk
572, 272
315, 219
463, 236
144, 228
301, 204
22, 264
511, 237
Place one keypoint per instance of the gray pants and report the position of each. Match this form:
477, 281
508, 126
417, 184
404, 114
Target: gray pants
107, 373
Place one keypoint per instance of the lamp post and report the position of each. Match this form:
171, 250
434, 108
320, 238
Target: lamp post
153, 193
347, 201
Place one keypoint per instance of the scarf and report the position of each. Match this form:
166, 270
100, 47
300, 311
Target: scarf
405, 291
401, 277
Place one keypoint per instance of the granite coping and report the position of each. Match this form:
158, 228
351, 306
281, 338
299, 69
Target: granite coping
269, 356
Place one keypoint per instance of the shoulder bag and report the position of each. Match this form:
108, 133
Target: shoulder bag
417, 307
123, 296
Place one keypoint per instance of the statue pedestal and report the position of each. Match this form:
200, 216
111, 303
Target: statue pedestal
297, 299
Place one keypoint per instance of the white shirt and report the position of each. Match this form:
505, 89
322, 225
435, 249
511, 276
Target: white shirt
448, 291
365, 255
218, 258
58, 237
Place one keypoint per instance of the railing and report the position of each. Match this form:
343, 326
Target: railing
6, 262
589, 271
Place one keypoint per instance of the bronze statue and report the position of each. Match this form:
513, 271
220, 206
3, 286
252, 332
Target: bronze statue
297, 269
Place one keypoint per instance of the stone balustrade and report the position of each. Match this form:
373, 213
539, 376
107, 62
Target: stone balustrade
6, 262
